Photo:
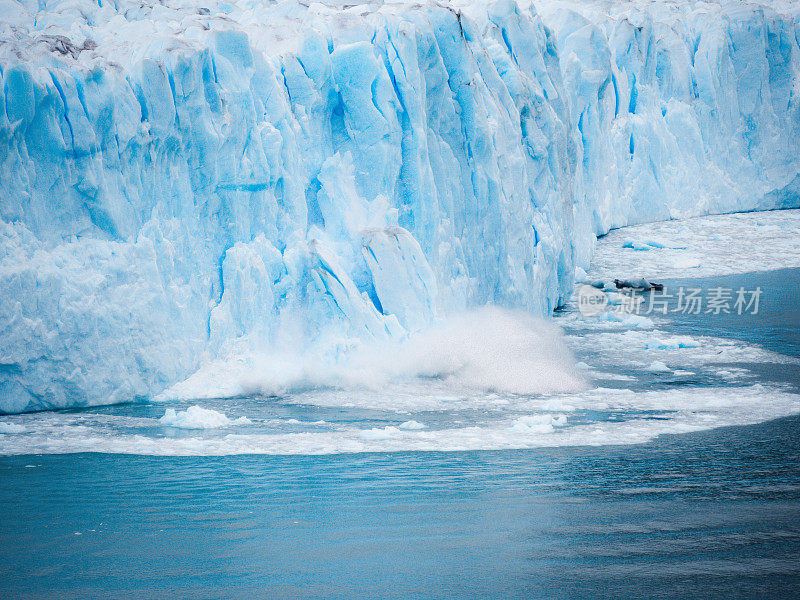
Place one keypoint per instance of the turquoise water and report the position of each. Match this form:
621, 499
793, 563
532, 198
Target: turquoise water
706, 514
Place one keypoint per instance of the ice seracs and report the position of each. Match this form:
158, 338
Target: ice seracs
183, 183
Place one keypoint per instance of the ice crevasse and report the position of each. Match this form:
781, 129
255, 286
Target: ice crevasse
185, 181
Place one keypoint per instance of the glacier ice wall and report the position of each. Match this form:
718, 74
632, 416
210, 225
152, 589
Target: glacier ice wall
186, 181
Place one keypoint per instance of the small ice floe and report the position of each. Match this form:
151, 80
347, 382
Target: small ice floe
11, 428
390, 431
640, 246
613, 376
733, 373
658, 367
379, 433
644, 245
197, 417
626, 319
538, 423
671, 343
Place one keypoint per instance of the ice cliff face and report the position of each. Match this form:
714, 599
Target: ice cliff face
194, 180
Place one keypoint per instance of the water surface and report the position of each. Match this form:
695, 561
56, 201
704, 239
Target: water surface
712, 515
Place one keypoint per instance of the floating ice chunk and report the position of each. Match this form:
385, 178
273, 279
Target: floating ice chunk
676, 343
411, 425
11, 428
379, 433
613, 376
626, 319
733, 373
615, 298
650, 245
640, 246
538, 423
639, 283
580, 275
197, 417
658, 367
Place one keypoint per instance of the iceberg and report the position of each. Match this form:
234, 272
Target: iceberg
187, 182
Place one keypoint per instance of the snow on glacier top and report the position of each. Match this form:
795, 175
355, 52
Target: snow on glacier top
93, 33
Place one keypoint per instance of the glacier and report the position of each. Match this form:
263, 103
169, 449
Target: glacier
187, 182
